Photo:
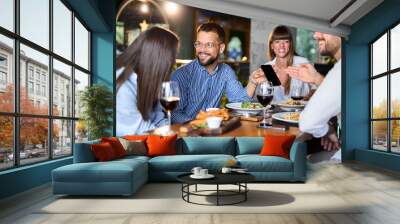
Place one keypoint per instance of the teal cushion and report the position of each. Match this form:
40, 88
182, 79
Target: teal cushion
249, 145
257, 163
111, 171
185, 163
206, 145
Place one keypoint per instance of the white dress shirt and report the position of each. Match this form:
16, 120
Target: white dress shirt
279, 91
129, 119
323, 105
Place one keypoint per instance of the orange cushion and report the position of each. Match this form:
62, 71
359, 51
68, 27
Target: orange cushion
116, 145
277, 145
136, 137
161, 145
103, 151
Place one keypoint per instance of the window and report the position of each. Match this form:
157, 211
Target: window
40, 81
30, 87
385, 96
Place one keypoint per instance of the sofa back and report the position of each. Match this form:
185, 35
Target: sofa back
206, 145
83, 152
249, 145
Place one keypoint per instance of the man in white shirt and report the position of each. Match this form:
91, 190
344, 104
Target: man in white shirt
326, 101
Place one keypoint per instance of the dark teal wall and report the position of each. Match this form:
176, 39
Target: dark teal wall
355, 111
99, 16
24, 178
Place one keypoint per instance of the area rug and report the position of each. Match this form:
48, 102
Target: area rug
166, 198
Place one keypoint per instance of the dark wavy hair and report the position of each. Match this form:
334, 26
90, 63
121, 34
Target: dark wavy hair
151, 56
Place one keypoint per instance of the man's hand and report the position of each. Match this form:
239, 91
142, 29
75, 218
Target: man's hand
330, 141
305, 73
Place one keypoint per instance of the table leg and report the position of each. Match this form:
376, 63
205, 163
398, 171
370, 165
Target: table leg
217, 194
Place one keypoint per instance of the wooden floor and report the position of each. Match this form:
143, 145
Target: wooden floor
377, 188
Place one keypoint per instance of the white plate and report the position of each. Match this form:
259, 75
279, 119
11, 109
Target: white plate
280, 117
208, 176
237, 107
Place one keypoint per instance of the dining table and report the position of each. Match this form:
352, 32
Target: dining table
248, 129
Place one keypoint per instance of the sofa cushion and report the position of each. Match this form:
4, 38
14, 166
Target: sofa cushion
134, 147
257, 163
277, 145
112, 171
161, 145
249, 145
116, 145
103, 152
206, 145
185, 163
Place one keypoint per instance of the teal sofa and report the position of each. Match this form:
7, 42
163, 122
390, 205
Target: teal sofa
125, 176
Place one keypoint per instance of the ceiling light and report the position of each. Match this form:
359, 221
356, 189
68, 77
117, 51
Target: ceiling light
144, 8
171, 7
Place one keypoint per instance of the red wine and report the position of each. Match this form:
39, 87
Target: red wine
169, 103
264, 100
297, 97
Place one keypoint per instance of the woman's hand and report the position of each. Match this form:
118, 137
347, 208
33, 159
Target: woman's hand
257, 77
305, 73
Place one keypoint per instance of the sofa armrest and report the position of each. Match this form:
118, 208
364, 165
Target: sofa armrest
83, 152
298, 154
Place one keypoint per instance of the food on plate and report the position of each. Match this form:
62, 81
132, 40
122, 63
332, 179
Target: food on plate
202, 115
294, 102
200, 121
293, 116
250, 105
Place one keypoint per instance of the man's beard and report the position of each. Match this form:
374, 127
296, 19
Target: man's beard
210, 61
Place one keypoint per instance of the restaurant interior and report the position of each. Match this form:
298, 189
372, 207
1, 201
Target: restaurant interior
58, 80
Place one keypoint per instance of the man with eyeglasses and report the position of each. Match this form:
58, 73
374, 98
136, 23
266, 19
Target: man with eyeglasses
203, 81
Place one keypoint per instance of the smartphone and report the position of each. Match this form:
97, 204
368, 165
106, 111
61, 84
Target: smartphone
271, 75
322, 69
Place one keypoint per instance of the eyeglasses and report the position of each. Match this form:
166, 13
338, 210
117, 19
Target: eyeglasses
208, 45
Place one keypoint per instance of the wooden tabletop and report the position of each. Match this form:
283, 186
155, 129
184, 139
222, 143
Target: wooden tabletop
247, 128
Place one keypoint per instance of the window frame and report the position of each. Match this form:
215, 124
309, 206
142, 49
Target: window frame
388, 74
15, 68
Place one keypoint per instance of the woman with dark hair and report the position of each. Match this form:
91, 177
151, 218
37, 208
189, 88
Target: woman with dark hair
281, 54
141, 69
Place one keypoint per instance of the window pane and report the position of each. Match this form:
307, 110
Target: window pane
62, 89
81, 45
62, 29
32, 61
81, 131
35, 21
379, 97
379, 135
62, 141
6, 142
7, 14
33, 139
395, 47
395, 95
379, 55
81, 81
6, 74
395, 136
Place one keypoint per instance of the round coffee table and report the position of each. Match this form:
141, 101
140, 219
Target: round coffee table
238, 179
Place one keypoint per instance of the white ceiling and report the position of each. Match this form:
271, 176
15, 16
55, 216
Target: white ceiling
316, 15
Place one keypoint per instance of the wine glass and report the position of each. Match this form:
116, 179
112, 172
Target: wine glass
265, 93
297, 89
169, 98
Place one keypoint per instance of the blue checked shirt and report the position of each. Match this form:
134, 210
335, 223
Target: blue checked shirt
200, 90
